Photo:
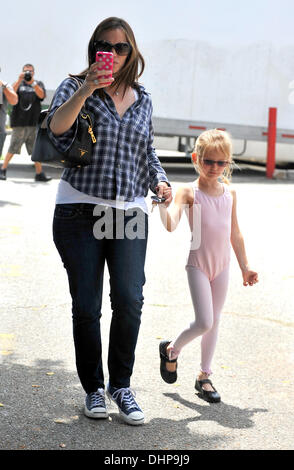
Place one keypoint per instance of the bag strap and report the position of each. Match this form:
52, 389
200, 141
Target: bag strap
85, 115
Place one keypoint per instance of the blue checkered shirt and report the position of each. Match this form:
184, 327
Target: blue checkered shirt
125, 164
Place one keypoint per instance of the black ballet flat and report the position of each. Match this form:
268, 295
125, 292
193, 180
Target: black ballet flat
167, 376
210, 396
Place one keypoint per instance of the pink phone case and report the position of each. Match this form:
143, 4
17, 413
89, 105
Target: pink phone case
107, 58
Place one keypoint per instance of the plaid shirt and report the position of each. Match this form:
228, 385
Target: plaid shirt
125, 164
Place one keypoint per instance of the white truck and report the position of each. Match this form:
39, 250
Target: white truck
196, 86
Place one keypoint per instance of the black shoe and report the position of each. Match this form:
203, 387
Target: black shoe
42, 177
210, 396
2, 174
168, 377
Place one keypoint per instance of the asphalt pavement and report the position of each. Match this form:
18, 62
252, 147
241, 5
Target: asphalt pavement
41, 400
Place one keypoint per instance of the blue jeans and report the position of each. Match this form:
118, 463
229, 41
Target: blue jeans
84, 256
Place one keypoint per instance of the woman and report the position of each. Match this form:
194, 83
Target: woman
124, 167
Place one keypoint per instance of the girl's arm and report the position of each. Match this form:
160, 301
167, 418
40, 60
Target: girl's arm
249, 277
171, 217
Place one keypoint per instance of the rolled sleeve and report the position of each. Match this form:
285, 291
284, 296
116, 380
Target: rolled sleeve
156, 171
65, 90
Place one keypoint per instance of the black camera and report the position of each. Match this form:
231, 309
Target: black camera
28, 76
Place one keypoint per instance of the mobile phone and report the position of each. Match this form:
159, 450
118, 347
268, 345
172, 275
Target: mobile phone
158, 199
107, 58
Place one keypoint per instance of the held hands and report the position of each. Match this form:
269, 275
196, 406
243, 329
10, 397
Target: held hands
163, 190
94, 79
249, 277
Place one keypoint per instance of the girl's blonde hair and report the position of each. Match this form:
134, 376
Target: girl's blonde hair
218, 141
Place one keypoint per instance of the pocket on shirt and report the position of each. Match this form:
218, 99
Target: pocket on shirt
101, 126
142, 124
102, 121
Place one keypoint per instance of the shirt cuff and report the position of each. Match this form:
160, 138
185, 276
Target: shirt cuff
158, 179
63, 142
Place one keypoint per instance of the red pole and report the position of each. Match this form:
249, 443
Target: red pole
271, 142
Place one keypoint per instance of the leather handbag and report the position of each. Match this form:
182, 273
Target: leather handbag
80, 152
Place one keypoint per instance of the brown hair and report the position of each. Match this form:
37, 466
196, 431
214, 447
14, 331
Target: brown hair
218, 141
134, 65
29, 65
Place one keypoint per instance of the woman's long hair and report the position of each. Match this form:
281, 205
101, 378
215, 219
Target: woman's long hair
134, 64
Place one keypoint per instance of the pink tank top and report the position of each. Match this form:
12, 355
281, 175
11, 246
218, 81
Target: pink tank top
211, 232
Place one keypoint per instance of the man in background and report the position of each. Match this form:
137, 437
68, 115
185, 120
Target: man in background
7, 95
24, 118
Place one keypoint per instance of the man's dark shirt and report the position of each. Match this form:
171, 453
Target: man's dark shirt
26, 112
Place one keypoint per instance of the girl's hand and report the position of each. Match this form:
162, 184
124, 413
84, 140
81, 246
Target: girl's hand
249, 277
93, 80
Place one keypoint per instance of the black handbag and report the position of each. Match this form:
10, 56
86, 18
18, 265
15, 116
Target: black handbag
80, 152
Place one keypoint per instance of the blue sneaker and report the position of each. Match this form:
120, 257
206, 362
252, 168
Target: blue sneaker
95, 405
128, 408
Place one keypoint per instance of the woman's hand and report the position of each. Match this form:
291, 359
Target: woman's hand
249, 277
163, 190
94, 80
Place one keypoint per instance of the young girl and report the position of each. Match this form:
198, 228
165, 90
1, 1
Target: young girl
213, 220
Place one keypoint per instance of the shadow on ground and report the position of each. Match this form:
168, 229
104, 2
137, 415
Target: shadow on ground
42, 408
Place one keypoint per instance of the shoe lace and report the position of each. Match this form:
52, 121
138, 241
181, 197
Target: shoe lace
97, 398
127, 397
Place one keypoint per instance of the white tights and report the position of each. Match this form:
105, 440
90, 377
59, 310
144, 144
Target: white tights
208, 298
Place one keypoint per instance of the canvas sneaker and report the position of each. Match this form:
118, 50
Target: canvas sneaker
95, 405
128, 408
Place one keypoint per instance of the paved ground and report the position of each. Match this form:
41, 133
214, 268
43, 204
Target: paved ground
40, 395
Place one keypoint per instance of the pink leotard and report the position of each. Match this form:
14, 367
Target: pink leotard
213, 254
207, 270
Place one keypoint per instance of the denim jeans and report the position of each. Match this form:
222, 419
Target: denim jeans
84, 256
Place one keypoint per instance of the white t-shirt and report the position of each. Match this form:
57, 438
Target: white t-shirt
67, 194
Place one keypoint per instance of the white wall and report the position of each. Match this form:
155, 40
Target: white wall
222, 61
